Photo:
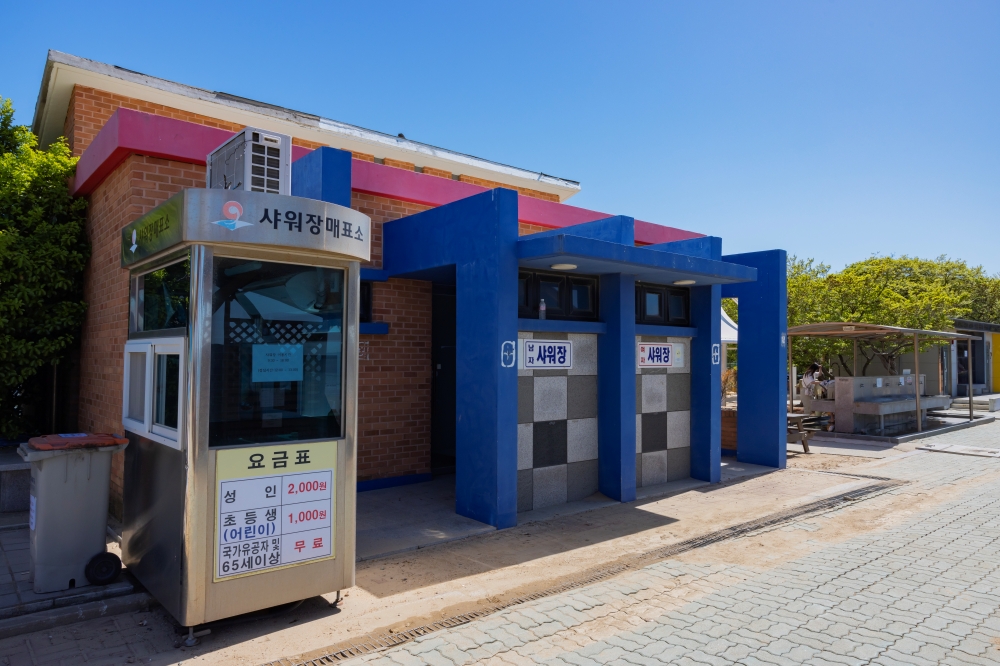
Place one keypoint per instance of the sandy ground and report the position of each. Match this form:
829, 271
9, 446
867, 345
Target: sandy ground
419, 587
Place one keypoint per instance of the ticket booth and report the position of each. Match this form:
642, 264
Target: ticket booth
239, 400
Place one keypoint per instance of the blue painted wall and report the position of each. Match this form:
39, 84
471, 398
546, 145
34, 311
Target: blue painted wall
475, 240
762, 356
616, 388
706, 384
618, 229
323, 174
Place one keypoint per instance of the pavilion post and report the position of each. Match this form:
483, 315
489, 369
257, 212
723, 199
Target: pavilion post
916, 381
968, 344
791, 377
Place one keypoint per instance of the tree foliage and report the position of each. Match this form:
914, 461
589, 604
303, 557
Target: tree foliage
43, 251
895, 291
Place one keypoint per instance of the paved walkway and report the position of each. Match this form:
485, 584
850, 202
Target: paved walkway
925, 592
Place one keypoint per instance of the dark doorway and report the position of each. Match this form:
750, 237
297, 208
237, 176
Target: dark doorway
443, 380
978, 363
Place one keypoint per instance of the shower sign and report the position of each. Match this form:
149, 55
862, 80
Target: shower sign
545, 355
276, 363
275, 507
655, 354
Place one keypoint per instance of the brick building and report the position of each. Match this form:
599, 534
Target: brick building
613, 284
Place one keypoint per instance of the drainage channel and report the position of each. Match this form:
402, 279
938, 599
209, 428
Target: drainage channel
384, 641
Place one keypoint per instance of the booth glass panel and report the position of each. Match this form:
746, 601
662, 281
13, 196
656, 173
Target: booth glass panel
164, 295
137, 386
277, 353
166, 390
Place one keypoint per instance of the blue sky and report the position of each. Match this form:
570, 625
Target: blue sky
834, 130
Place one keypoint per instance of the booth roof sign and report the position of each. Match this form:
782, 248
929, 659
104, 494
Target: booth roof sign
252, 218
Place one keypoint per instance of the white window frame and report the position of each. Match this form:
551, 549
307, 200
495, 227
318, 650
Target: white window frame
146, 428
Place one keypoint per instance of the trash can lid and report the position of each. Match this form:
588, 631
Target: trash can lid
75, 440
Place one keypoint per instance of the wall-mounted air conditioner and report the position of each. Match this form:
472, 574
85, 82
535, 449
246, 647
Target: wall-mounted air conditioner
254, 160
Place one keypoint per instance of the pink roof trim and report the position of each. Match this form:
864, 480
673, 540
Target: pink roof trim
130, 132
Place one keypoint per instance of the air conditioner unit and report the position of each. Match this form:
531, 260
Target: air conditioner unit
254, 160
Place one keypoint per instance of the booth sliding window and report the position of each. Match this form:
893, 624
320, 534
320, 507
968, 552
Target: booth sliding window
659, 304
277, 353
566, 296
159, 299
153, 399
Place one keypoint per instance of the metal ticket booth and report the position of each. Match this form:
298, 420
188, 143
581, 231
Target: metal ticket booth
239, 403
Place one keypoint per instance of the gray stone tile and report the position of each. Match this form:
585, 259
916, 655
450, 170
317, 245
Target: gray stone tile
654, 432
581, 440
678, 464
548, 486
679, 393
584, 354
548, 443
638, 432
525, 457
550, 373
581, 480
679, 429
654, 468
638, 394
525, 399
638, 470
581, 397
682, 354
525, 495
654, 393
550, 398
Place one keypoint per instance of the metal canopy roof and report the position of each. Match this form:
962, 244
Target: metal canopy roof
596, 257
860, 331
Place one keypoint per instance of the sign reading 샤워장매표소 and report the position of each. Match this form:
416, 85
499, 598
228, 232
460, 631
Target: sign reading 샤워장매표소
275, 507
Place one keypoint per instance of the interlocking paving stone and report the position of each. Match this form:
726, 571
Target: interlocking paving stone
924, 592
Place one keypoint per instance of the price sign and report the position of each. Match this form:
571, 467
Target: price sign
275, 507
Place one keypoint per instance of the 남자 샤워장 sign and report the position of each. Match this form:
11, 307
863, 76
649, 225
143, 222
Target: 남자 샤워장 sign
199, 215
545, 355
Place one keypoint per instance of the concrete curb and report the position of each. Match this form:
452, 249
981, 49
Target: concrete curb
58, 617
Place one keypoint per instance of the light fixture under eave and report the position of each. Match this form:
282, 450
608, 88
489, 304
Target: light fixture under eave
563, 267
683, 283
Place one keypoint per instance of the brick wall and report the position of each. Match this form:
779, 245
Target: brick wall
137, 186
394, 384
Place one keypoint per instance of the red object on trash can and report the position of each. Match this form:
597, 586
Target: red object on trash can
75, 440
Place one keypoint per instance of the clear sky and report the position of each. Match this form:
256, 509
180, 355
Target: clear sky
834, 130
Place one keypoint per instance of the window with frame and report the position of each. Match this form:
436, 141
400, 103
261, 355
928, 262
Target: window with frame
662, 305
277, 353
154, 378
572, 297
160, 299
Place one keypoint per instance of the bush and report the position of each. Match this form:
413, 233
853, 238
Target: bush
43, 251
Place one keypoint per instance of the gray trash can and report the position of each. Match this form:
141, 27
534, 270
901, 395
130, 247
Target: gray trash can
68, 509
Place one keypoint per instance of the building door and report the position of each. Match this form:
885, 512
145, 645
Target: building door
443, 379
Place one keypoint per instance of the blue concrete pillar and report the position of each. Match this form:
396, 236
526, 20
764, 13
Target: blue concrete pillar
474, 240
323, 174
762, 356
706, 384
616, 388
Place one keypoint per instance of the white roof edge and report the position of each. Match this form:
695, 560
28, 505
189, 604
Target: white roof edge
63, 70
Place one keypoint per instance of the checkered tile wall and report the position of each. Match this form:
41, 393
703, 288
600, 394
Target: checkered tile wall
663, 418
557, 427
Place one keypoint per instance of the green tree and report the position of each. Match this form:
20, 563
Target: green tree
43, 251
897, 291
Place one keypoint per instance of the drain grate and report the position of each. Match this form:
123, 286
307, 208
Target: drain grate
368, 644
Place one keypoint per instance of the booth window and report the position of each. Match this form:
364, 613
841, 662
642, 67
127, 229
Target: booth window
659, 304
159, 299
154, 377
571, 297
277, 353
